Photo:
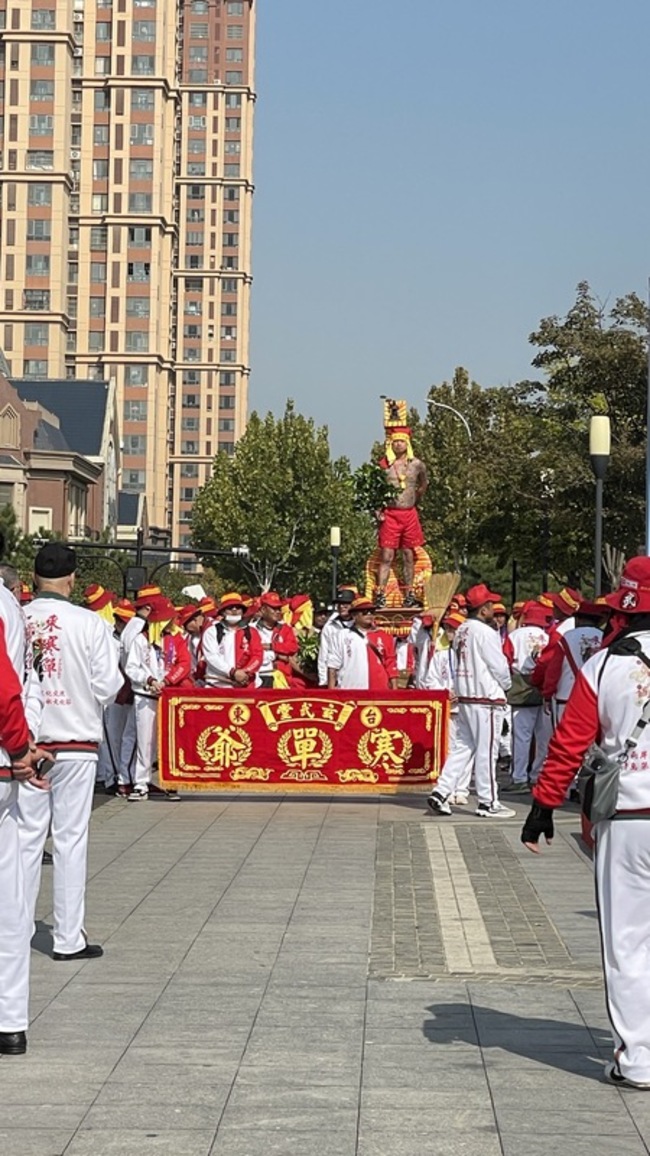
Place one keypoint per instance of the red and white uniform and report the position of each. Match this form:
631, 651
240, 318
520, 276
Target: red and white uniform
144, 665
364, 661
117, 750
176, 660
279, 644
420, 638
531, 723
226, 650
482, 678
15, 926
567, 658
605, 706
77, 662
328, 634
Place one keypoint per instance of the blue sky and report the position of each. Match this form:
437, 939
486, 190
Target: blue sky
432, 178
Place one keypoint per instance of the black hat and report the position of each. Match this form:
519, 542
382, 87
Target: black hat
54, 560
345, 597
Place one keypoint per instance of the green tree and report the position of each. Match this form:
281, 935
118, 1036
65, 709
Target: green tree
279, 494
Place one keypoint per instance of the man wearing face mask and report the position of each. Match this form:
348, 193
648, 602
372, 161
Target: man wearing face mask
233, 653
482, 678
278, 639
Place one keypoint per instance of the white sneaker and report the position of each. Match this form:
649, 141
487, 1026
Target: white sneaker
460, 800
497, 811
438, 804
138, 794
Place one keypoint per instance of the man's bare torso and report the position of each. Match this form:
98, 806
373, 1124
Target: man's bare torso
410, 479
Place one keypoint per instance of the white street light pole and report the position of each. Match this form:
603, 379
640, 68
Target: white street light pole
461, 417
599, 451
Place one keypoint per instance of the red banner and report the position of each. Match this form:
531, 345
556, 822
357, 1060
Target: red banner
274, 740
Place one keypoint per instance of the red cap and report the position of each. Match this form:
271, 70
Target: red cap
567, 601
231, 601
271, 599
362, 605
477, 596
147, 596
399, 431
633, 594
534, 614
187, 613
454, 619
597, 609
124, 609
26, 593
546, 600
162, 610
499, 608
96, 597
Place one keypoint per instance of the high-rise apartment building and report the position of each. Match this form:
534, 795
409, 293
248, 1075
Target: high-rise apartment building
125, 220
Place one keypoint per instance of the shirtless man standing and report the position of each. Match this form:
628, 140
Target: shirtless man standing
400, 527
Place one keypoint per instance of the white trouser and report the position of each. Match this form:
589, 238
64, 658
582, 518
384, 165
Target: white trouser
463, 784
505, 740
623, 897
528, 723
477, 745
117, 750
15, 927
146, 710
66, 808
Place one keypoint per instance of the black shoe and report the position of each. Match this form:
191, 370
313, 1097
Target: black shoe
13, 1043
412, 601
90, 951
47, 859
380, 599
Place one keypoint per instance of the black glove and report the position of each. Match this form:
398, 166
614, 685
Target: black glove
539, 821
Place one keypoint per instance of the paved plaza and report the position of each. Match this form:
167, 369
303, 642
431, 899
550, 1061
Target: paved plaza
321, 978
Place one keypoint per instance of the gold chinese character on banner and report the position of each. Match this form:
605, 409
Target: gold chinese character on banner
305, 747
370, 716
388, 749
224, 747
239, 714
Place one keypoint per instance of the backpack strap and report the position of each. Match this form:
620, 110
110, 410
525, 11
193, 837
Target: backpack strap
569, 657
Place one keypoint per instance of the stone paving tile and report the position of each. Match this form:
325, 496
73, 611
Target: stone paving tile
29, 1142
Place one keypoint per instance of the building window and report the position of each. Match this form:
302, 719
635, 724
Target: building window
199, 54
228, 308
136, 374
43, 18
233, 123
194, 308
234, 77
142, 98
37, 265
191, 354
193, 237
133, 481
195, 215
99, 202
195, 192
141, 134
101, 134
40, 159
191, 330
189, 447
36, 334
34, 367
226, 424
231, 217
98, 237
230, 170
41, 90
191, 377
102, 100
227, 378
227, 355
226, 448
36, 299
231, 193
39, 195
140, 202
42, 54
227, 402
198, 31
96, 340
229, 285
230, 240
234, 55
232, 147
191, 400
188, 493
102, 65
198, 75
39, 230
98, 272
143, 65
135, 411
189, 470
195, 261
137, 341
233, 100
144, 30
235, 32
196, 147
103, 30
196, 169
197, 121
100, 170
135, 445
138, 270
97, 306
191, 424
137, 306
6, 489
139, 236
140, 170
235, 7
200, 7
198, 100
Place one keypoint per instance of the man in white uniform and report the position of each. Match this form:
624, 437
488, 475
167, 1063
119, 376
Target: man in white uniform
531, 722
341, 619
606, 705
78, 666
482, 679
233, 653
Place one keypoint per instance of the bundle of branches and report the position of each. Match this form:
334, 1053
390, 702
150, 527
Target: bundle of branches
372, 489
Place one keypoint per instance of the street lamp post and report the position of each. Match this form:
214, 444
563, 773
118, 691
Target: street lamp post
599, 452
335, 550
461, 417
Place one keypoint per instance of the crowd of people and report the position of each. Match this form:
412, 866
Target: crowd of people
530, 690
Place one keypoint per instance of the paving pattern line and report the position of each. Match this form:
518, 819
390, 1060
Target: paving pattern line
464, 935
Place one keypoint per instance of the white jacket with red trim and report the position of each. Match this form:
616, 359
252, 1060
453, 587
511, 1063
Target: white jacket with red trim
605, 706
364, 661
77, 661
523, 647
568, 656
226, 650
482, 672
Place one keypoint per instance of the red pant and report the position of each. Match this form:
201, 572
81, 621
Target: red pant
400, 529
